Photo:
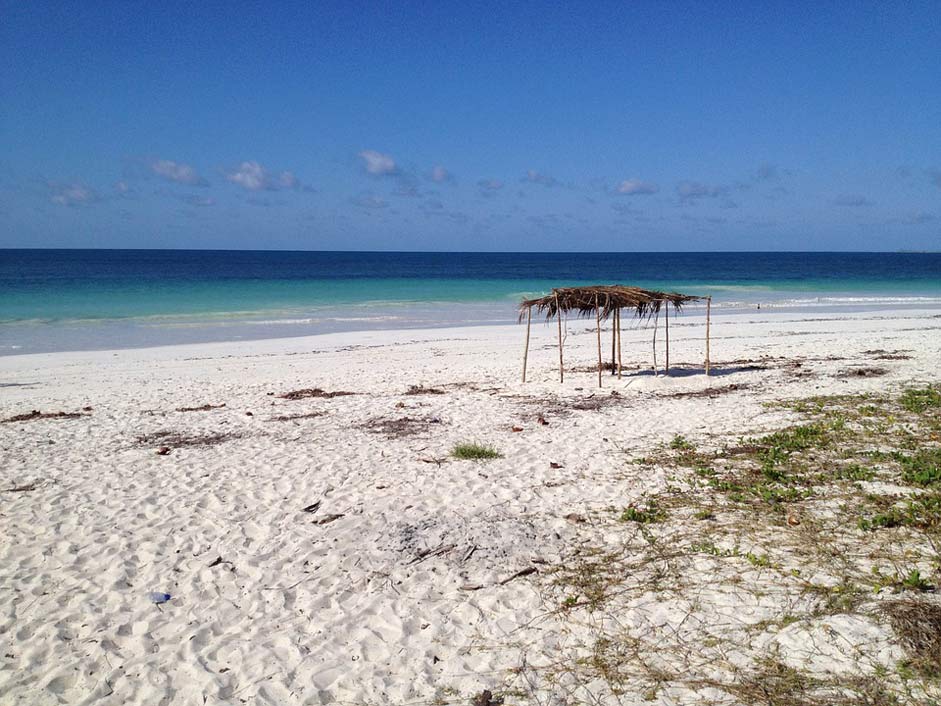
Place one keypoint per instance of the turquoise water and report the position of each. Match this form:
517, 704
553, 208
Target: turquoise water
69, 299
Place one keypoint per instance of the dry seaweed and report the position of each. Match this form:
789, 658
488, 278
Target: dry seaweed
422, 390
179, 440
201, 408
309, 392
292, 417
862, 372
708, 392
917, 623
398, 428
36, 414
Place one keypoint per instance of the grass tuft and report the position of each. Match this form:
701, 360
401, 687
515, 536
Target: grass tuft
475, 452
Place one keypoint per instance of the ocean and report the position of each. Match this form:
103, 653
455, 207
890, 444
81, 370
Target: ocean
53, 300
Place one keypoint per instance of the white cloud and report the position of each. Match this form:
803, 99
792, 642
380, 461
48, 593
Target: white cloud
121, 187
252, 176
441, 175
178, 172
535, 177
378, 164
74, 194
636, 187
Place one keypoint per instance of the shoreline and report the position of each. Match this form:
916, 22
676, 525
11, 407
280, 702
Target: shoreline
202, 334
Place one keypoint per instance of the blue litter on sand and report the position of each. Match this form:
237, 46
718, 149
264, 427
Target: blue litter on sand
159, 598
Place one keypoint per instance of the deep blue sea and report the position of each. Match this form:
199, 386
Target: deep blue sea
97, 299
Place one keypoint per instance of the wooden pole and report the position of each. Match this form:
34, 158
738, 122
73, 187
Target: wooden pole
558, 313
614, 339
656, 318
708, 307
617, 314
666, 329
529, 320
598, 325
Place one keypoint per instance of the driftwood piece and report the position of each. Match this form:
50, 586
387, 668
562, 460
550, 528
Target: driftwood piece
25, 488
201, 408
428, 553
519, 574
327, 519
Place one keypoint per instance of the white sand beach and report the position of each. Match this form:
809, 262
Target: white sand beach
329, 549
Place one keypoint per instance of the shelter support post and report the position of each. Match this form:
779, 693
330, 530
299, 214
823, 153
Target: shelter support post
558, 313
598, 326
617, 326
708, 307
529, 320
666, 329
656, 319
614, 340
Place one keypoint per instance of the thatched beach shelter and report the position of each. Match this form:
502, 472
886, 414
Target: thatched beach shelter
604, 302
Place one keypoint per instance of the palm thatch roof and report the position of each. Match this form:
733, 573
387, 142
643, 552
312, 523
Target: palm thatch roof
606, 299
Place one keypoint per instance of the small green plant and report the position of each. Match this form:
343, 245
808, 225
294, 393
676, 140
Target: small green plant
475, 452
681, 443
705, 515
914, 582
758, 560
647, 515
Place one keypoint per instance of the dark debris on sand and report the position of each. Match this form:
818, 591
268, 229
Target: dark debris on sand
293, 417
710, 392
309, 392
201, 408
178, 440
36, 414
862, 372
422, 390
402, 427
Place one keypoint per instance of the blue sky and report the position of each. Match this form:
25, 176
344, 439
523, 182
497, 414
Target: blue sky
471, 126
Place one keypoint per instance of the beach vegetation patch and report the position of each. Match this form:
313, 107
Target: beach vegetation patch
922, 468
921, 399
922, 513
475, 452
